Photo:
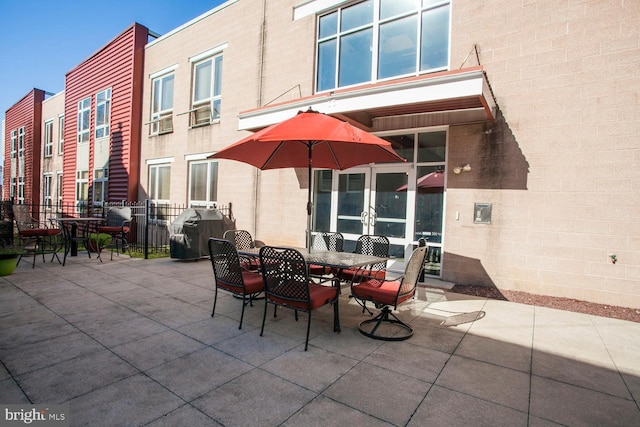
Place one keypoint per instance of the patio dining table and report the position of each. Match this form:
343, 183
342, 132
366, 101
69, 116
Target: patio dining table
333, 259
70, 229
337, 261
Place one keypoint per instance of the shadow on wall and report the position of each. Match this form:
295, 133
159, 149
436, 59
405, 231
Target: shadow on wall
496, 160
468, 271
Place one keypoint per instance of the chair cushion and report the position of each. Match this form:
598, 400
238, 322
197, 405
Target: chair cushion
379, 291
252, 284
112, 229
320, 295
319, 270
39, 232
348, 274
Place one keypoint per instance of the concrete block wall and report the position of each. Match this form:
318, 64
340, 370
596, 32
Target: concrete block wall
562, 164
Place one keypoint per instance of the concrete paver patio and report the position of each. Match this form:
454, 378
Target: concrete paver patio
131, 342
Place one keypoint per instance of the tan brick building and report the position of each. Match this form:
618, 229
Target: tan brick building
539, 100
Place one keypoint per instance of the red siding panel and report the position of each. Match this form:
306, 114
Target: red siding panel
117, 65
25, 113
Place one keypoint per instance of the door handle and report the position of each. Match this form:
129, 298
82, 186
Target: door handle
364, 218
373, 215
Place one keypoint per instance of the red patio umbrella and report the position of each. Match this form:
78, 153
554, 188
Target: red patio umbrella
312, 140
430, 183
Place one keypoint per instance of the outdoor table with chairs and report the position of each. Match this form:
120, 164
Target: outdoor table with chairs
75, 230
89, 229
285, 280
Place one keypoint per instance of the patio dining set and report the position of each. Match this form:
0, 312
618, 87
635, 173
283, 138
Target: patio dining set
66, 232
305, 279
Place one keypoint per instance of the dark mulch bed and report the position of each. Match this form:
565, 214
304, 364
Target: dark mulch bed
568, 304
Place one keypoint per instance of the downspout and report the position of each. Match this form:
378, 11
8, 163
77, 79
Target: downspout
256, 180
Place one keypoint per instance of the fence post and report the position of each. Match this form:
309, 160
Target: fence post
147, 215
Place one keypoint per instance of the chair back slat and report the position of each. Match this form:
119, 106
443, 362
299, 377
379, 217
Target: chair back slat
23, 218
412, 272
373, 245
225, 263
118, 215
285, 274
241, 239
324, 241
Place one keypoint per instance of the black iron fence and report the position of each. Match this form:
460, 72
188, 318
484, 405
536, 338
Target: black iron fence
149, 233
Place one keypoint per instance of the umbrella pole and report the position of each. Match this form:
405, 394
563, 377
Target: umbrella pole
309, 204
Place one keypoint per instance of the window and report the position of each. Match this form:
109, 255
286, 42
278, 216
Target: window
20, 190
162, 105
14, 144
59, 190
84, 114
103, 113
47, 181
48, 138
60, 134
82, 190
21, 142
207, 90
203, 184
159, 184
361, 43
100, 181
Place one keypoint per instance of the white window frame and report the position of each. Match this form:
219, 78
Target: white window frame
82, 186
21, 142
206, 110
161, 118
14, 144
59, 184
20, 190
210, 182
376, 24
60, 134
100, 180
47, 183
103, 114
84, 122
48, 138
158, 205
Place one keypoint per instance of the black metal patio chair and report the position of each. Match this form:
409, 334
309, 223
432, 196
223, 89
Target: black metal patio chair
230, 276
287, 284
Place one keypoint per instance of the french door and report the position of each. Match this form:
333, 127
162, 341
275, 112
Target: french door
374, 200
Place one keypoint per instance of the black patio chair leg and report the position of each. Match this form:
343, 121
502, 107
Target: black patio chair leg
215, 299
244, 304
306, 343
383, 317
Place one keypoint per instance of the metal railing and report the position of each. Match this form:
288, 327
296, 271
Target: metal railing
148, 234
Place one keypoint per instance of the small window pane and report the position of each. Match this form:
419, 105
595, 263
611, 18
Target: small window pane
217, 84
355, 58
164, 181
357, 15
403, 145
199, 181
203, 82
328, 25
213, 180
167, 93
322, 200
327, 65
389, 8
398, 47
156, 96
431, 147
435, 38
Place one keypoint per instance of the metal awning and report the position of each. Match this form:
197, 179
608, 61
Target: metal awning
450, 97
